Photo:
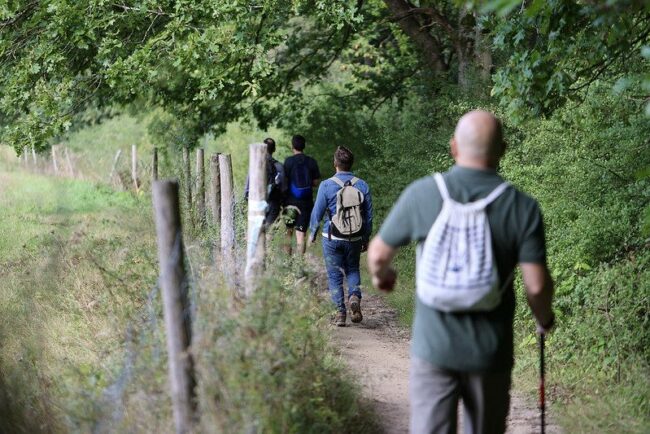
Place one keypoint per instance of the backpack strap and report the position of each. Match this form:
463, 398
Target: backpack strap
494, 194
354, 180
442, 187
338, 181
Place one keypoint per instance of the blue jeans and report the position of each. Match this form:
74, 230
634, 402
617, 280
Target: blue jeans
342, 260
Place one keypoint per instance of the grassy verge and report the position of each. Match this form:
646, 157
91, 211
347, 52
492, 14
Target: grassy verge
75, 262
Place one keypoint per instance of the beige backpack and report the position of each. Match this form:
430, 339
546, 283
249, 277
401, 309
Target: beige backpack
347, 221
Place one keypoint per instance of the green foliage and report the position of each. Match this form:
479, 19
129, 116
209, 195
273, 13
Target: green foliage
202, 61
597, 212
555, 50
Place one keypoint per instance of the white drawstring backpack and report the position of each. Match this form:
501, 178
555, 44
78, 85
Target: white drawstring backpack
457, 271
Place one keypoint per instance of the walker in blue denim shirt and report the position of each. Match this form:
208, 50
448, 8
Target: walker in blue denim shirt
326, 200
341, 255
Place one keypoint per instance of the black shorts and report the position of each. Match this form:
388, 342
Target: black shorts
297, 215
272, 212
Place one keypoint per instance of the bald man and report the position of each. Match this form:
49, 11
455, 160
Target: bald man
467, 355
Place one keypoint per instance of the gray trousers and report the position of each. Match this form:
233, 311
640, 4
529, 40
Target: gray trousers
434, 395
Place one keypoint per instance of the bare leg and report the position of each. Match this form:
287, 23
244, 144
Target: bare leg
289, 240
300, 239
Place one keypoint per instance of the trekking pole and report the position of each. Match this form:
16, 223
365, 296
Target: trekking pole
542, 401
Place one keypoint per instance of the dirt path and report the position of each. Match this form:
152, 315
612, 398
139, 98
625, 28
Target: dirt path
377, 351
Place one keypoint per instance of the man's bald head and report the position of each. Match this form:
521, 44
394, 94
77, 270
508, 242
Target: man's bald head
478, 139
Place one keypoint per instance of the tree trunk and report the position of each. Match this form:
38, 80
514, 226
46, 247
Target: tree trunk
427, 44
464, 47
483, 53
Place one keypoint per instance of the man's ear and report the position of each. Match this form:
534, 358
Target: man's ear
453, 148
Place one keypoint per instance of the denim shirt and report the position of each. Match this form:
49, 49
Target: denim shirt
326, 199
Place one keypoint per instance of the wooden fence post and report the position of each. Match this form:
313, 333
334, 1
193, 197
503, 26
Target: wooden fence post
69, 162
188, 179
215, 190
200, 186
227, 208
54, 163
114, 167
134, 167
173, 283
34, 160
255, 246
154, 165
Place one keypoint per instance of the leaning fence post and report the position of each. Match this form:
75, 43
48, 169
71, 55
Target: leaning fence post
173, 283
54, 163
227, 208
215, 190
134, 167
255, 246
154, 165
200, 186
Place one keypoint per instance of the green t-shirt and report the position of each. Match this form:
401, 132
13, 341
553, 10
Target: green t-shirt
480, 341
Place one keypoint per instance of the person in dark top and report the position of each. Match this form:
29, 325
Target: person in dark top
276, 184
302, 176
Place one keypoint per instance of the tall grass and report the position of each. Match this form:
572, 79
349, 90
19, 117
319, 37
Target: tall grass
72, 275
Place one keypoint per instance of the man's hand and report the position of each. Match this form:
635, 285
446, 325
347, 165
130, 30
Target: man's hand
312, 239
386, 281
380, 255
546, 328
364, 246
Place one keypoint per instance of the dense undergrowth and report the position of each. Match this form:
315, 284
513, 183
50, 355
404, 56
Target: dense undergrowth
82, 335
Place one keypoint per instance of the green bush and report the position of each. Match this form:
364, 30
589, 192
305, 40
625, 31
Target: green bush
267, 365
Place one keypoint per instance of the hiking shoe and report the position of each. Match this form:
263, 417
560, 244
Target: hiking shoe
340, 319
355, 307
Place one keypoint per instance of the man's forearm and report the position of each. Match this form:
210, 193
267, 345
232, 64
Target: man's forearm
380, 256
539, 292
541, 306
